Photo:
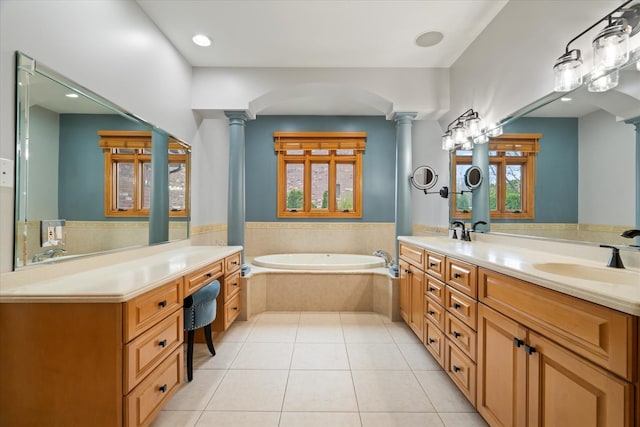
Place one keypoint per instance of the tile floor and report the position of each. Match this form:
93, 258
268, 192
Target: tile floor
317, 369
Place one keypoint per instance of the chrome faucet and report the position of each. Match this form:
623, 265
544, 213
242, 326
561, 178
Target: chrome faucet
388, 260
49, 253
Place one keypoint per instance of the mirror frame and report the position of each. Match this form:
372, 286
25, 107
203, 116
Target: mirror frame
427, 185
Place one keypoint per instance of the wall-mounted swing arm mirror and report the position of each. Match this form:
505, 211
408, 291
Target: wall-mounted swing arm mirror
424, 178
68, 202
473, 177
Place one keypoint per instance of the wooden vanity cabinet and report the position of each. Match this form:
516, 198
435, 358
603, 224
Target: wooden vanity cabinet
412, 296
229, 302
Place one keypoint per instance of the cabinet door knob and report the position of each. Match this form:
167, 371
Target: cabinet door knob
431, 312
457, 334
432, 289
432, 264
162, 388
162, 303
235, 308
234, 284
457, 275
163, 343
529, 349
456, 369
518, 342
456, 305
431, 340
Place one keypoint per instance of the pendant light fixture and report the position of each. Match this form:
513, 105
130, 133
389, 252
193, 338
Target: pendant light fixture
464, 131
610, 51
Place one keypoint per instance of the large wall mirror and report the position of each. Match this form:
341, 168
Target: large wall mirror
61, 172
586, 178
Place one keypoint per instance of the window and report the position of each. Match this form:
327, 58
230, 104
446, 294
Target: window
127, 174
512, 171
319, 174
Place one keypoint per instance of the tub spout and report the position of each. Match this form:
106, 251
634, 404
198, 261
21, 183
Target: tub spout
388, 260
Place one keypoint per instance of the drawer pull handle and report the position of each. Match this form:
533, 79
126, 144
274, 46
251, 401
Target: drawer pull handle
432, 289
162, 304
234, 284
431, 312
457, 334
456, 305
456, 369
163, 343
235, 308
163, 388
234, 262
518, 342
431, 340
457, 275
529, 349
209, 274
432, 264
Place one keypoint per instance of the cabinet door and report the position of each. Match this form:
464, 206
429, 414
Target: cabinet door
416, 316
566, 390
501, 369
405, 290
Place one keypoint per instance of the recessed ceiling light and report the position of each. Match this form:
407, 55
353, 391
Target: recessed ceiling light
430, 38
71, 95
565, 99
201, 40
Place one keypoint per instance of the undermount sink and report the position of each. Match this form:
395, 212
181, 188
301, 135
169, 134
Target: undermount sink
596, 274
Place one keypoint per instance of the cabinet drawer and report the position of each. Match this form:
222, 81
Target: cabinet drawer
434, 264
147, 351
462, 335
231, 286
412, 255
434, 341
434, 312
232, 263
462, 276
434, 289
461, 370
146, 400
199, 278
597, 333
462, 306
146, 310
232, 310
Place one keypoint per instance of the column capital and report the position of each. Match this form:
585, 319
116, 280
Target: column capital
404, 117
237, 117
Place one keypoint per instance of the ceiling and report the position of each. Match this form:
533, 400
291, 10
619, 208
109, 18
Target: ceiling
321, 33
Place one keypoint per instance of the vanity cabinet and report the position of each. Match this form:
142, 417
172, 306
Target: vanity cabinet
229, 302
412, 296
545, 358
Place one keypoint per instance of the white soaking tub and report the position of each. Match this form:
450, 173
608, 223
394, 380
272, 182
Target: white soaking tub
319, 261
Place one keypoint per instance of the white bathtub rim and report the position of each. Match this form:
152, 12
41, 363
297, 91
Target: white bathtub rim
363, 263
256, 270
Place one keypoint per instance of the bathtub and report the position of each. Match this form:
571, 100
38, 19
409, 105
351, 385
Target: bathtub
334, 262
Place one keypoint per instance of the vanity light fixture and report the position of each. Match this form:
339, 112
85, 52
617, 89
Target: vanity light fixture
466, 130
201, 40
610, 51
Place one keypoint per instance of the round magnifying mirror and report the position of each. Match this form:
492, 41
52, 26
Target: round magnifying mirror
473, 177
424, 177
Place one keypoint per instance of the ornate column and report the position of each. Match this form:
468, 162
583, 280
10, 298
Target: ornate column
159, 208
404, 164
236, 206
480, 196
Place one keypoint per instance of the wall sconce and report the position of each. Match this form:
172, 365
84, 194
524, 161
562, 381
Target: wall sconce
610, 51
466, 130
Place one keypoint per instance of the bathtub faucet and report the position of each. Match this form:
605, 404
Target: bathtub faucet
388, 261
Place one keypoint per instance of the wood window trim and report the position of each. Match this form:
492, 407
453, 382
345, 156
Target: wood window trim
137, 140
307, 141
527, 143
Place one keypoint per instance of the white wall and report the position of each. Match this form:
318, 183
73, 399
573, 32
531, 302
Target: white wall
108, 46
607, 170
430, 210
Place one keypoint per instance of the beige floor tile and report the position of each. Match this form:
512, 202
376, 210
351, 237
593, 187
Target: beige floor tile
176, 418
360, 318
400, 419
320, 419
250, 391
238, 419
418, 357
463, 420
442, 392
258, 355
320, 391
225, 353
285, 332
390, 391
237, 332
194, 395
363, 333
324, 318
402, 333
278, 317
320, 356
329, 333
375, 357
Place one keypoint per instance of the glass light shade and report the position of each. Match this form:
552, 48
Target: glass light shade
467, 145
459, 134
567, 72
447, 142
474, 126
481, 139
495, 130
601, 83
611, 47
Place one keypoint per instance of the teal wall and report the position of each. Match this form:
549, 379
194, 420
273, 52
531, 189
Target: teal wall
378, 168
556, 168
81, 165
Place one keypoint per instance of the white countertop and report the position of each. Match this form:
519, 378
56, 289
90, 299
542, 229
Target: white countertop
520, 262
116, 282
